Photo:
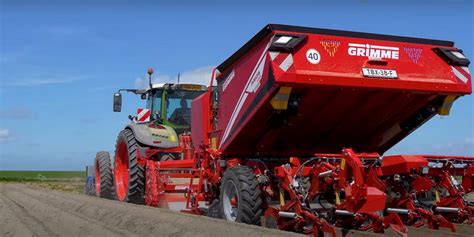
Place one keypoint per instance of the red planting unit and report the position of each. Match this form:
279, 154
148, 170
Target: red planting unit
273, 138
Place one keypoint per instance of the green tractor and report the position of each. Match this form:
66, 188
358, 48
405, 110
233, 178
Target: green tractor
153, 134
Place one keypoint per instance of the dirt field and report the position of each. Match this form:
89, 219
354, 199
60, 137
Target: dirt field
27, 210
34, 211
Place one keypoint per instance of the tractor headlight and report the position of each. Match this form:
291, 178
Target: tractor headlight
424, 170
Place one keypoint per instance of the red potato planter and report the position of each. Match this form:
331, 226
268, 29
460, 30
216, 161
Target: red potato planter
267, 143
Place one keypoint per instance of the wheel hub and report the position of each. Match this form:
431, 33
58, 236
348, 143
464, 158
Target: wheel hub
121, 171
97, 178
230, 201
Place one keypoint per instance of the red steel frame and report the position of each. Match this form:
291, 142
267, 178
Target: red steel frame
215, 146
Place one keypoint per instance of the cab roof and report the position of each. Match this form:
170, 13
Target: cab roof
181, 86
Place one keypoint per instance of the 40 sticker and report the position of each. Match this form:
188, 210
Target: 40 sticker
313, 56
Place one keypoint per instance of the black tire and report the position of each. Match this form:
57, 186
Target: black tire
105, 182
135, 192
214, 210
248, 193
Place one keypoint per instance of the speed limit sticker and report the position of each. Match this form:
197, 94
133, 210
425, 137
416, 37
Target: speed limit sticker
313, 56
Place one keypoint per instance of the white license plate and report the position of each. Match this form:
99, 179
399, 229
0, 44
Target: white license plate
381, 73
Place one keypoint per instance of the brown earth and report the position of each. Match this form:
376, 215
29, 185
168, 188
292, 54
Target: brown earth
33, 211
27, 210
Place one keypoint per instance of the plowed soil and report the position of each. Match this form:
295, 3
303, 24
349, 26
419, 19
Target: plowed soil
27, 210
33, 211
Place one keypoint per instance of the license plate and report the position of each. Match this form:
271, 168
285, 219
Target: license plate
381, 73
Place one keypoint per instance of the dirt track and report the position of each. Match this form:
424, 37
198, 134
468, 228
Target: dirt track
33, 211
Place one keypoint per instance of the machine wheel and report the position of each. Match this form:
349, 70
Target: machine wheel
129, 176
214, 210
103, 175
240, 196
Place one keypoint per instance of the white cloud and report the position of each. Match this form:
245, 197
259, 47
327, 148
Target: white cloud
44, 81
101, 89
463, 147
5, 135
469, 142
448, 145
200, 75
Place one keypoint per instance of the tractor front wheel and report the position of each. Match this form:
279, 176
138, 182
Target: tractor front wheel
240, 196
129, 176
103, 175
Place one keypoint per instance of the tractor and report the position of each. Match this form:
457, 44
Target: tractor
162, 126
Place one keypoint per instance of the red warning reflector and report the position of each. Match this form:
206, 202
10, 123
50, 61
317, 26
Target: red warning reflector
143, 115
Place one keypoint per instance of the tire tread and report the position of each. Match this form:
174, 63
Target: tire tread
136, 187
106, 177
250, 194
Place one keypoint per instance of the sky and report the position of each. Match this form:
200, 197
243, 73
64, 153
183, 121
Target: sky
61, 62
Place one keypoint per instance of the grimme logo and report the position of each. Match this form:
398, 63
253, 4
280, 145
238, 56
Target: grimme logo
413, 53
373, 51
330, 46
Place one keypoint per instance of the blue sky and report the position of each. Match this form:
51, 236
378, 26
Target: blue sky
61, 62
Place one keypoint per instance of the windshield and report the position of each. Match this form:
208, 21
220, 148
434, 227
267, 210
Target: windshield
178, 106
156, 103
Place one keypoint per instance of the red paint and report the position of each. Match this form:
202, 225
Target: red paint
332, 106
97, 178
402, 164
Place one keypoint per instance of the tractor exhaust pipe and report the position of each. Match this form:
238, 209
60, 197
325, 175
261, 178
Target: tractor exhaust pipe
447, 209
285, 214
344, 213
398, 211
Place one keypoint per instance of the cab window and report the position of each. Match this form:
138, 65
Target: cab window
156, 103
178, 106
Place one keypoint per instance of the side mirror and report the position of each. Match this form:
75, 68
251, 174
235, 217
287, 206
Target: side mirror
143, 96
117, 102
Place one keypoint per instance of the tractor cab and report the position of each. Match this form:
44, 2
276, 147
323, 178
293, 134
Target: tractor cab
167, 114
170, 104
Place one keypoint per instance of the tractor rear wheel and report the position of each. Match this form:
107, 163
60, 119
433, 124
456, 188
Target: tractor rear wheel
103, 175
129, 176
240, 196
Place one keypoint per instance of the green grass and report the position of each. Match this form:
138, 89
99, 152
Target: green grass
42, 175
